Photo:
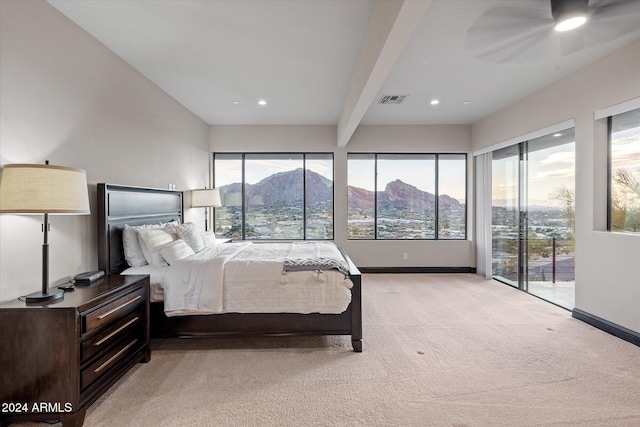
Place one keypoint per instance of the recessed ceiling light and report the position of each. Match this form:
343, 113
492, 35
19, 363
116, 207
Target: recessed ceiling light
467, 102
235, 102
557, 134
435, 102
262, 102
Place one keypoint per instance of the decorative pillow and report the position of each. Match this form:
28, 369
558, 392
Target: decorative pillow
191, 236
208, 238
133, 252
151, 241
175, 251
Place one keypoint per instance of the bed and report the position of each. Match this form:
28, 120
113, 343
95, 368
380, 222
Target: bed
134, 206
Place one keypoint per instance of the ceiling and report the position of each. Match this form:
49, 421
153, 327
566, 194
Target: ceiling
330, 61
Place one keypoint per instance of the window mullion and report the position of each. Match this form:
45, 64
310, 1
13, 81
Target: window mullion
436, 204
609, 171
375, 197
304, 197
243, 224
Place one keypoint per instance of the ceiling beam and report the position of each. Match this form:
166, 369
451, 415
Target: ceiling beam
390, 29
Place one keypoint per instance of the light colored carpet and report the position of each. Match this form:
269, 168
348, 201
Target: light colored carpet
439, 350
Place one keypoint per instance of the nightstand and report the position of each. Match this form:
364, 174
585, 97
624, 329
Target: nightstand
58, 357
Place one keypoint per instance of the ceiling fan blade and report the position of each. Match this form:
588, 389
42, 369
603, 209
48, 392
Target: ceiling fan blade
509, 19
522, 49
525, 33
609, 21
504, 33
600, 9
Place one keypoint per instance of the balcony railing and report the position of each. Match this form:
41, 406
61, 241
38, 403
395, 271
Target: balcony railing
549, 260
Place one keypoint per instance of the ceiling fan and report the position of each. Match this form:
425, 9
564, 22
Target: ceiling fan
527, 30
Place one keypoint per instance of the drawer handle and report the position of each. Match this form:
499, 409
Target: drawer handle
108, 337
110, 312
115, 356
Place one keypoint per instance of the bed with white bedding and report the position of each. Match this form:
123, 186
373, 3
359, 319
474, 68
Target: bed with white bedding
232, 288
249, 277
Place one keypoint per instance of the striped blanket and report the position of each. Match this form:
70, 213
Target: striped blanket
312, 256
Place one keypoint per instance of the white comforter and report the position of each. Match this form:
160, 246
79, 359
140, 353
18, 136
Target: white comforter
251, 278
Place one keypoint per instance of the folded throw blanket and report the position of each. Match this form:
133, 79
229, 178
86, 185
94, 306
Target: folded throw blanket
312, 256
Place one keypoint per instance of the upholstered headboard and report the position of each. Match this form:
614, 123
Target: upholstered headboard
119, 205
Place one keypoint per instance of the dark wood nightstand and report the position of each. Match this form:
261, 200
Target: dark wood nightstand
58, 357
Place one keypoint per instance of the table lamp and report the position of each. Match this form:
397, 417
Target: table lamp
204, 199
32, 189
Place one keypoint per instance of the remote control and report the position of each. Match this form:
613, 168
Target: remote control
89, 276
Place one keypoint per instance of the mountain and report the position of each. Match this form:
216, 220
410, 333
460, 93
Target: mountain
360, 199
286, 188
281, 188
399, 195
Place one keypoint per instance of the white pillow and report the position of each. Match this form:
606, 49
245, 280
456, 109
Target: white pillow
208, 238
133, 252
151, 241
191, 236
175, 251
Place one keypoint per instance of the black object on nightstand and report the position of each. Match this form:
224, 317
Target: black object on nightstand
67, 287
88, 277
93, 337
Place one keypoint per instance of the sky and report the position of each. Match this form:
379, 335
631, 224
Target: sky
230, 171
418, 172
625, 148
553, 167
548, 170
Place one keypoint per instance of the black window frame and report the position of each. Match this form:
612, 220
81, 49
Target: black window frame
304, 190
436, 201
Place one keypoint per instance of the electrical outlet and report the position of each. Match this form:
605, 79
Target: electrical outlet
405, 256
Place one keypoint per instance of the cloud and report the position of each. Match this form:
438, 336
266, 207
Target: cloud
625, 153
567, 157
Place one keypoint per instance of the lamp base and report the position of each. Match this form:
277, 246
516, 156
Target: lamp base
44, 296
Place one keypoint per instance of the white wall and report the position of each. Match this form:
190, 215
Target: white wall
607, 264
66, 98
367, 138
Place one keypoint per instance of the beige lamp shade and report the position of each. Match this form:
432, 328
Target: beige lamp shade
205, 198
39, 189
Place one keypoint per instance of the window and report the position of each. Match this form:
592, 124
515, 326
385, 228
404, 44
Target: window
274, 196
406, 196
624, 172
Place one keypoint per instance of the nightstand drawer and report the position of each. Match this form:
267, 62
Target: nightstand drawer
113, 333
114, 310
126, 347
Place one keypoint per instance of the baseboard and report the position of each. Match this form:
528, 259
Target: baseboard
369, 270
606, 326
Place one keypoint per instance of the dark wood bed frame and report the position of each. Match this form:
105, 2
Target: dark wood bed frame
119, 205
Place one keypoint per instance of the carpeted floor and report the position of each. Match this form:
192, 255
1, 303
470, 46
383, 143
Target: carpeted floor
439, 350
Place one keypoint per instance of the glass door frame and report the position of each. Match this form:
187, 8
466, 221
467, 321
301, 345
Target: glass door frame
527, 221
523, 217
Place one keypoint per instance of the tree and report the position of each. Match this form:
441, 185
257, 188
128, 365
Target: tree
566, 196
625, 200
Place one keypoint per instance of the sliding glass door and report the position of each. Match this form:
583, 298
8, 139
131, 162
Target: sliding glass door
505, 208
533, 217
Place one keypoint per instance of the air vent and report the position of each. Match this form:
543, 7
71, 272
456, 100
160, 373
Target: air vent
392, 99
